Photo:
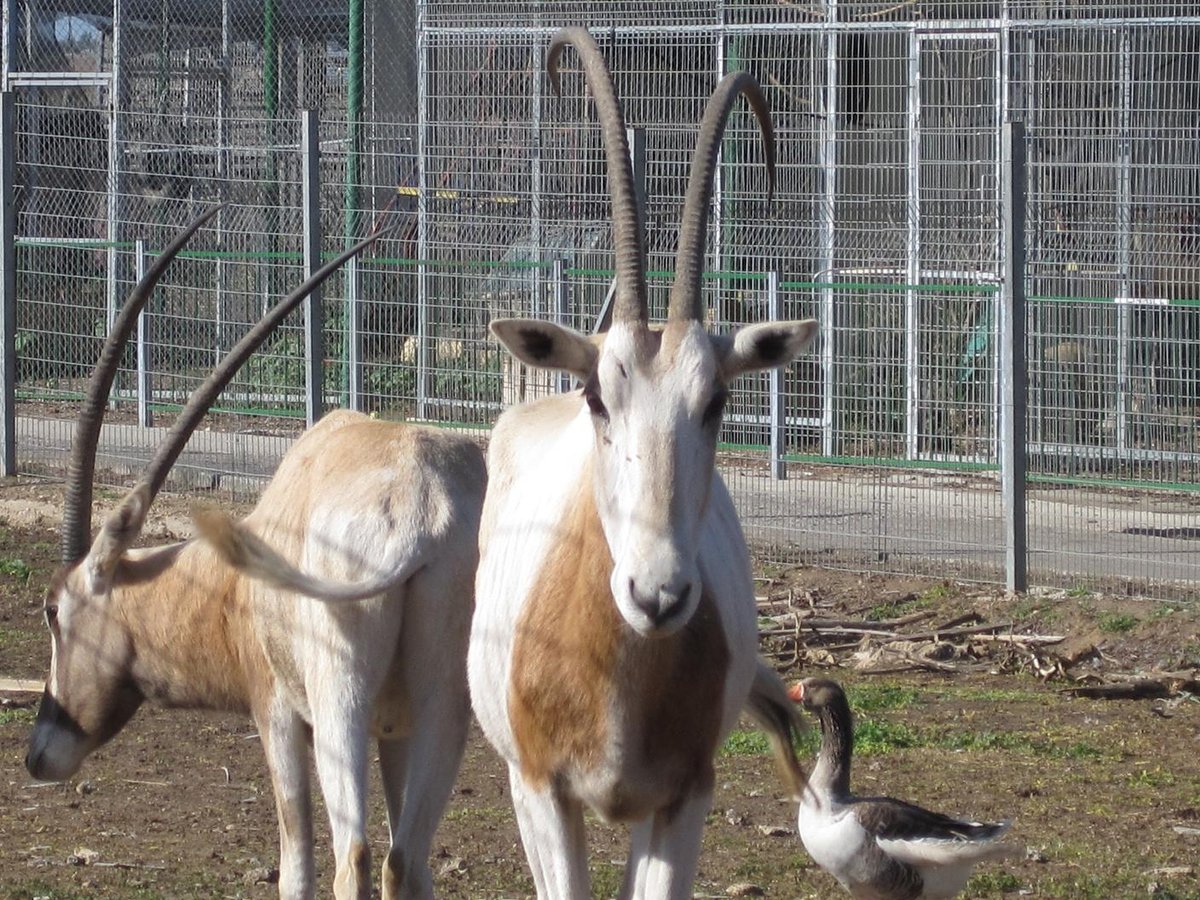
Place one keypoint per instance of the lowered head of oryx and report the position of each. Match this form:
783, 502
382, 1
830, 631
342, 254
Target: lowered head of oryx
654, 394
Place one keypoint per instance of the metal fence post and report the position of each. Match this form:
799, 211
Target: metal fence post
8, 285
562, 310
423, 210
144, 386
777, 410
1013, 375
314, 309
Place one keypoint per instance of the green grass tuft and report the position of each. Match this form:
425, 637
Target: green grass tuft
18, 715
745, 743
877, 736
877, 697
17, 568
1116, 623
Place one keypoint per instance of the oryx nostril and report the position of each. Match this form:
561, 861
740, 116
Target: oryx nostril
682, 599
663, 605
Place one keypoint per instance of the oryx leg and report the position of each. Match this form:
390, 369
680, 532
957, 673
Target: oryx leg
665, 850
419, 769
340, 750
342, 686
285, 738
554, 839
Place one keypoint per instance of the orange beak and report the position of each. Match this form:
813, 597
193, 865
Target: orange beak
796, 692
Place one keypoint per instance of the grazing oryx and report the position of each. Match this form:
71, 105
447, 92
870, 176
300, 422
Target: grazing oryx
392, 508
614, 641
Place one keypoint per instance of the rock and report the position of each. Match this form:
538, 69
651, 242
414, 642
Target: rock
261, 875
83, 857
775, 830
745, 889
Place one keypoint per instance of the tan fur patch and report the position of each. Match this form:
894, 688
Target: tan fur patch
574, 655
565, 651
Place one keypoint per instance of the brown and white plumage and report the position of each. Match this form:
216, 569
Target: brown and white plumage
876, 847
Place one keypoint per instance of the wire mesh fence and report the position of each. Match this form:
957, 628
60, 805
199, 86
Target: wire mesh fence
436, 119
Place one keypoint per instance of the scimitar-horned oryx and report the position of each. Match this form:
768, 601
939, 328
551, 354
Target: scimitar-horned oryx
382, 519
614, 642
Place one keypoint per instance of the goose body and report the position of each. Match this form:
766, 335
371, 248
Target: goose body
876, 847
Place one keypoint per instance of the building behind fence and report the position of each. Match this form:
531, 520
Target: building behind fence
436, 118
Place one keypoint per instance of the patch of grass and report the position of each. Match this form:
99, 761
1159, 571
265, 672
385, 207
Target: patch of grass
936, 594
745, 743
992, 695
986, 884
877, 736
1154, 778
1116, 623
1190, 655
1079, 750
893, 609
1024, 609
987, 741
16, 568
1078, 592
19, 715
606, 878
876, 697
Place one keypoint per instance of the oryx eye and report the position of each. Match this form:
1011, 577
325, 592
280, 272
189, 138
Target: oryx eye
51, 613
716, 406
595, 404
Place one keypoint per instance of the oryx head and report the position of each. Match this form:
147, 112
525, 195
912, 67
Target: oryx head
655, 394
92, 689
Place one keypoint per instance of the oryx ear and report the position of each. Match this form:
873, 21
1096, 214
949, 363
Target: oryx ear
545, 345
767, 345
118, 532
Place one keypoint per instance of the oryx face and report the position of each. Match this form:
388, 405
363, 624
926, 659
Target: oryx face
655, 401
89, 694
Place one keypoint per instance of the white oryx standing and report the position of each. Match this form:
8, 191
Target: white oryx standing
614, 642
383, 519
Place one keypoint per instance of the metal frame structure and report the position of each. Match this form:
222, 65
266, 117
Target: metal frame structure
890, 225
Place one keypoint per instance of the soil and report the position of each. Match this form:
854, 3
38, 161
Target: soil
1105, 794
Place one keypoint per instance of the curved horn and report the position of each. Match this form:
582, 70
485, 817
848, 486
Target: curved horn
630, 301
686, 300
206, 394
77, 514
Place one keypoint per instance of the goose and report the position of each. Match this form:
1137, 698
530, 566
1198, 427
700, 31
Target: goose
876, 847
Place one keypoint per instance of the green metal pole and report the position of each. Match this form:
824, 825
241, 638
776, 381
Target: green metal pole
352, 348
271, 110
354, 112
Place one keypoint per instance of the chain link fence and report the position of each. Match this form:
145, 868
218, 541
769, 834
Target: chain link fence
435, 118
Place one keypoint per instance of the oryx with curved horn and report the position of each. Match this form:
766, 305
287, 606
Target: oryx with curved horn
614, 642
382, 519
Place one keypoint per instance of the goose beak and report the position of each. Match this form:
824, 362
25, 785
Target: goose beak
796, 692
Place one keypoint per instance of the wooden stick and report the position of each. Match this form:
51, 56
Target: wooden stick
21, 686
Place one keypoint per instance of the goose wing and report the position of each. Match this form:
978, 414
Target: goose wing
918, 836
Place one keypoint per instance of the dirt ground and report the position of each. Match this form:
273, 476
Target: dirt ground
961, 701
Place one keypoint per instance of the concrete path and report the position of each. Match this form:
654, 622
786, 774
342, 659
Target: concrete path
876, 519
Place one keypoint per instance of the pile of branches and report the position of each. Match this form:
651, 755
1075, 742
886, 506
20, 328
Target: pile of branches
800, 629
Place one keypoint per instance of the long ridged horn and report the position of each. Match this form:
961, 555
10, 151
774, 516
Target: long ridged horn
629, 304
206, 394
77, 514
686, 299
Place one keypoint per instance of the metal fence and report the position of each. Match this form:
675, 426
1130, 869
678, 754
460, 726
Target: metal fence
886, 225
